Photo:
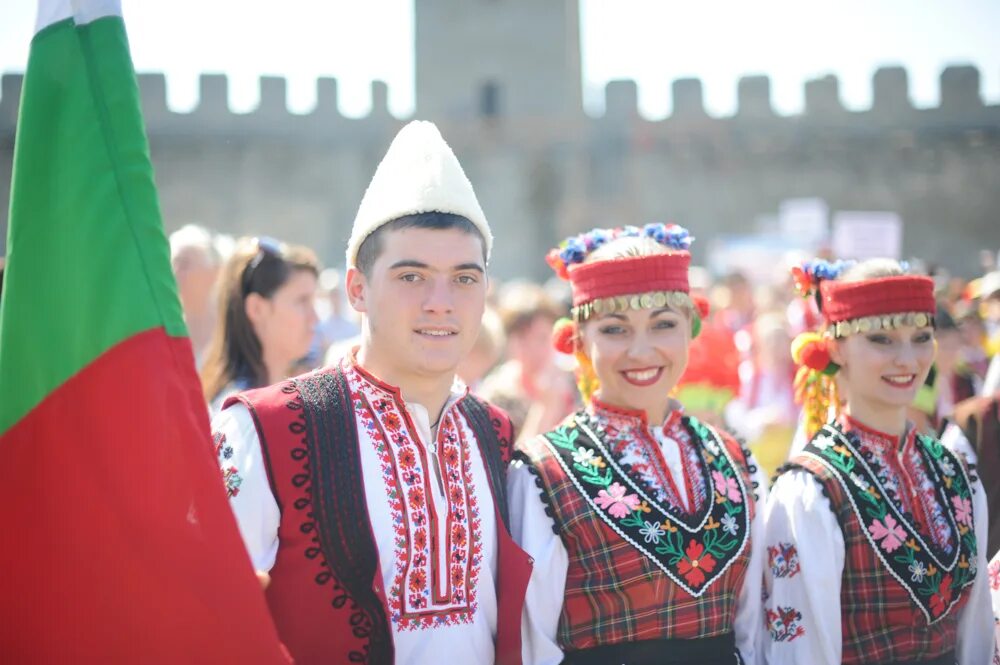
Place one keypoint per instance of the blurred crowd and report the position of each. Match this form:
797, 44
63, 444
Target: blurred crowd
259, 310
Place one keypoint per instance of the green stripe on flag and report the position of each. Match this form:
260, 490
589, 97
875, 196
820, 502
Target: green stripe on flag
88, 263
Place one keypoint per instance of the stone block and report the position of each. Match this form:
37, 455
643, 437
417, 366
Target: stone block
960, 89
753, 95
689, 98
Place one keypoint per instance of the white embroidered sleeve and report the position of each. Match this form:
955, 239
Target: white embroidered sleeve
975, 622
532, 528
805, 563
748, 605
238, 448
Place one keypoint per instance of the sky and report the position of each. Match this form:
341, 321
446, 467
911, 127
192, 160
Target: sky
650, 41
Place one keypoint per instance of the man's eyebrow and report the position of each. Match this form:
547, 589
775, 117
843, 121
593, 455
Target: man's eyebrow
408, 263
413, 263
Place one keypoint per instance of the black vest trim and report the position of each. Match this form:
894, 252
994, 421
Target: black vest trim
339, 502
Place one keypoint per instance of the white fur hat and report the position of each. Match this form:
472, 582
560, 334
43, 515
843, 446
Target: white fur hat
419, 173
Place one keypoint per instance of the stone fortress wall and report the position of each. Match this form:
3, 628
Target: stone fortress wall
543, 169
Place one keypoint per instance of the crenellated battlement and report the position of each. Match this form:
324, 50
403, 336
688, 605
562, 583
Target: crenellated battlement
961, 105
542, 172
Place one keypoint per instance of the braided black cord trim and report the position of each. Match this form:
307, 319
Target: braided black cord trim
478, 417
519, 456
341, 510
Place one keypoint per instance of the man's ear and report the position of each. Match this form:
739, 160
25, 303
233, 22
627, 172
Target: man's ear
253, 306
356, 288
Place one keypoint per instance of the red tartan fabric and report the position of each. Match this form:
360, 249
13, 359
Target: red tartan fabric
614, 593
879, 621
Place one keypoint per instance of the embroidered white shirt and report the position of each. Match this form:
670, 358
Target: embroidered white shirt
437, 605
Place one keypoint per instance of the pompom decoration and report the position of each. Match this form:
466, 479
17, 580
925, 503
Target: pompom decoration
701, 304
563, 336
815, 389
556, 263
808, 276
575, 249
810, 349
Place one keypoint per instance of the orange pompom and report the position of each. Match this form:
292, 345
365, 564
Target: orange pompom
564, 336
557, 264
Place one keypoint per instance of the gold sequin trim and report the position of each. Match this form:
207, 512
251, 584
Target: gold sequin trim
618, 304
867, 324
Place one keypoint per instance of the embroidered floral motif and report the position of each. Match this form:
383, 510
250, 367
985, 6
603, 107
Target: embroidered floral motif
696, 563
888, 532
726, 487
783, 623
918, 571
783, 560
615, 501
652, 532
963, 509
714, 538
934, 576
994, 573
425, 591
231, 478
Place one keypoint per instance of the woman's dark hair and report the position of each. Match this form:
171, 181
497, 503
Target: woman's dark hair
371, 247
262, 266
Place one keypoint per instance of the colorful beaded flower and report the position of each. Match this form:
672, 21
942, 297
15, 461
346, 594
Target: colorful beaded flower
808, 276
575, 249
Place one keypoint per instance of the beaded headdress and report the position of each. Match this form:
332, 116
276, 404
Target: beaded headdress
619, 284
849, 308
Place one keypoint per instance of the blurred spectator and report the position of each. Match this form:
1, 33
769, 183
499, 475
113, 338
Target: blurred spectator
529, 385
266, 317
954, 381
485, 353
989, 297
765, 413
196, 263
333, 325
735, 302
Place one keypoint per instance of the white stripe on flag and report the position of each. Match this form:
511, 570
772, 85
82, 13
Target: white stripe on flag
81, 11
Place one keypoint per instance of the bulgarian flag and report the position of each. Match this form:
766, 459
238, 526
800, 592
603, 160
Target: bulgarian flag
119, 544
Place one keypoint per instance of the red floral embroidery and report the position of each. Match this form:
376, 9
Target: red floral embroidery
697, 562
942, 599
783, 623
405, 469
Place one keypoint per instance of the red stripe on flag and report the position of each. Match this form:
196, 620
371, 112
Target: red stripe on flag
120, 545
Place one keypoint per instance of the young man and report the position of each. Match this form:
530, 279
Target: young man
372, 491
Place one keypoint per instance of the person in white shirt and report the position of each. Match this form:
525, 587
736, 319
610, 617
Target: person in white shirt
645, 524
875, 533
372, 491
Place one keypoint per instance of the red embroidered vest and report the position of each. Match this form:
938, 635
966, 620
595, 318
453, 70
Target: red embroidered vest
326, 594
880, 621
617, 593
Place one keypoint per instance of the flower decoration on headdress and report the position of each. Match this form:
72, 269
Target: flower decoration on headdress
564, 335
575, 249
808, 276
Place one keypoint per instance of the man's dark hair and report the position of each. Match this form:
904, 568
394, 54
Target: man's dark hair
371, 247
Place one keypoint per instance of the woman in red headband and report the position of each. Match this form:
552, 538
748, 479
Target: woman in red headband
645, 541
875, 533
